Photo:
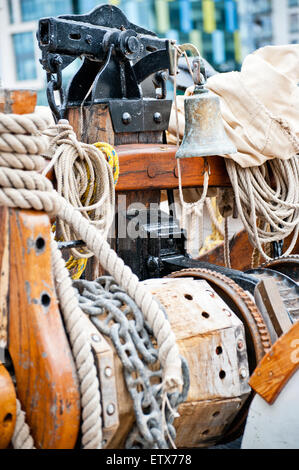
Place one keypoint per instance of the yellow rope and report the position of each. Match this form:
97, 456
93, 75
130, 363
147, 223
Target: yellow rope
77, 266
112, 158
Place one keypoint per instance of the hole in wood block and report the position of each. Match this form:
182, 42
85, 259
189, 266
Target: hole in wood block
228, 313
188, 297
216, 413
204, 433
222, 374
219, 350
40, 243
205, 314
45, 299
7, 419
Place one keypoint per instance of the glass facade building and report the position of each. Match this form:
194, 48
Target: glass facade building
223, 30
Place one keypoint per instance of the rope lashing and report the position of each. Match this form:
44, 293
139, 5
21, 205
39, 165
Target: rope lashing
26, 190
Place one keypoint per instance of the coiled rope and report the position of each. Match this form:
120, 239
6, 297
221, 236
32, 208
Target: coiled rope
267, 195
26, 189
84, 179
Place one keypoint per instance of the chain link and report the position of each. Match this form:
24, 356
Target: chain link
116, 315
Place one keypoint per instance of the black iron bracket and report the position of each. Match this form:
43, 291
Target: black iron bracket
123, 65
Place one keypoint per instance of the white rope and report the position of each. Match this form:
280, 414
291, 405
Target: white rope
74, 321
84, 179
21, 438
26, 189
257, 200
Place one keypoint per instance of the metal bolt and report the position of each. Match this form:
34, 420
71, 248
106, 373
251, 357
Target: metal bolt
110, 409
132, 44
157, 117
108, 371
88, 39
96, 338
243, 373
126, 118
240, 344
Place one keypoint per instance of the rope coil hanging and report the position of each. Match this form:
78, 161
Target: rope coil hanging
25, 189
257, 200
84, 179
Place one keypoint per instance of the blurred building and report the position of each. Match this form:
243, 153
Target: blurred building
223, 30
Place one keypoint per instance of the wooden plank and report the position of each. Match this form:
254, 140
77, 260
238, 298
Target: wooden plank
7, 408
44, 368
274, 305
152, 166
277, 366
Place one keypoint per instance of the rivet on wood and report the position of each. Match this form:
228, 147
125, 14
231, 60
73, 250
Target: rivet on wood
110, 409
108, 371
95, 338
243, 373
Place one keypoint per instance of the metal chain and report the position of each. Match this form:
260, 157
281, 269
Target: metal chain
116, 315
54, 68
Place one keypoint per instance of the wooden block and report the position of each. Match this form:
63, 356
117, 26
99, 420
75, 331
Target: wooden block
17, 101
44, 368
7, 408
277, 366
212, 340
202, 424
274, 305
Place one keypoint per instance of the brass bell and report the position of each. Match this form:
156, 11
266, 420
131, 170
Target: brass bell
204, 131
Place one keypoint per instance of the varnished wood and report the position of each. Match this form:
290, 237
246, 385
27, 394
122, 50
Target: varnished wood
7, 407
17, 101
44, 368
4, 277
278, 366
152, 166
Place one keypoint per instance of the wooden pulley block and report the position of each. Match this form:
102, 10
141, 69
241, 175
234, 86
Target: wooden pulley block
212, 340
7, 408
47, 385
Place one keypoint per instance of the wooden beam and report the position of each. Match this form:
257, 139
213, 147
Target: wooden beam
154, 166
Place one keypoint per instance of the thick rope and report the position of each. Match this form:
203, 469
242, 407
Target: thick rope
26, 189
21, 438
74, 321
261, 206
